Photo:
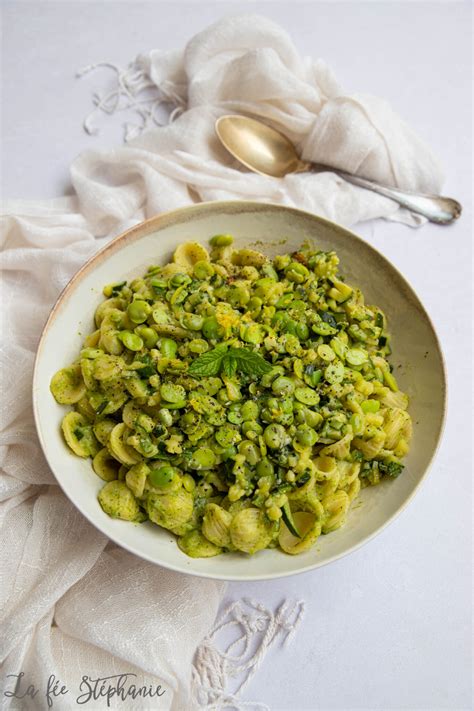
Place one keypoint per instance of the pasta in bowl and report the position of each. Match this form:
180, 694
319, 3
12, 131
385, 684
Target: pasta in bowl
238, 401
239, 396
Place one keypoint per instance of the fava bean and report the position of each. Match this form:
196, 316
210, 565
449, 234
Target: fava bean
283, 386
172, 393
131, 340
168, 347
274, 436
163, 477
148, 336
307, 396
138, 311
221, 240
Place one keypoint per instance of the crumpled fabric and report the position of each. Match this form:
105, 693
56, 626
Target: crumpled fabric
248, 64
73, 604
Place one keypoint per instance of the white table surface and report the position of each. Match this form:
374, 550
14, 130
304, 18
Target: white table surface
388, 627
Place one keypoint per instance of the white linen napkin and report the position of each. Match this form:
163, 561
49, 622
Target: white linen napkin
247, 64
72, 604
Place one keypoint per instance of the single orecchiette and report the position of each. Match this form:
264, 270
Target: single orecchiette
309, 528
79, 435
340, 449
105, 465
118, 501
335, 507
119, 449
170, 510
250, 530
188, 254
196, 545
216, 525
135, 478
68, 386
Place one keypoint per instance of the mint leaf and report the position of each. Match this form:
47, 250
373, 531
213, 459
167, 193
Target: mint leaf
249, 362
229, 366
229, 361
209, 363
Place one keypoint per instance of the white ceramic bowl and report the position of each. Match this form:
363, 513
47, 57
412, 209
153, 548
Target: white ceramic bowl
416, 349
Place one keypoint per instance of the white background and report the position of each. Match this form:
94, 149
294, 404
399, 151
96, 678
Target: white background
388, 627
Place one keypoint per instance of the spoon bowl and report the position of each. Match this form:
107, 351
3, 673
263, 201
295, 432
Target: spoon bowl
259, 147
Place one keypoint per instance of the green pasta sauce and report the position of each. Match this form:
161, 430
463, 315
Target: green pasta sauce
237, 401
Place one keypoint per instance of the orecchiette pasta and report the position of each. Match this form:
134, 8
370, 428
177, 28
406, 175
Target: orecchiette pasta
237, 401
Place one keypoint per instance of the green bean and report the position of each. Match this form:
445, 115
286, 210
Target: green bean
251, 333
203, 458
198, 345
251, 428
302, 331
326, 352
283, 386
91, 353
249, 410
356, 357
334, 373
211, 385
269, 271
165, 417
168, 347
173, 393
312, 419
292, 344
255, 305
285, 301
227, 435
323, 329
158, 285
314, 377
357, 333
138, 311
238, 296
160, 316
306, 436
296, 272
177, 297
163, 477
307, 396
298, 306
190, 422
234, 414
113, 289
228, 453
211, 328
274, 436
248, 449
192, 321
180, 279
265, 468
221, 240
203, 270
131, 340
148, 336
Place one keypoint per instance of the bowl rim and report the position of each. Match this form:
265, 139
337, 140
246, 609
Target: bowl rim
165, 219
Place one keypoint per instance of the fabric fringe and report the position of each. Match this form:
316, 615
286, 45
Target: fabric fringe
134, 91
258, 629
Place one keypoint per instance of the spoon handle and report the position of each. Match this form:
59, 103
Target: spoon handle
442, 210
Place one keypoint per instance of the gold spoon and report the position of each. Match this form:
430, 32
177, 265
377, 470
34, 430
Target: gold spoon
268, 152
